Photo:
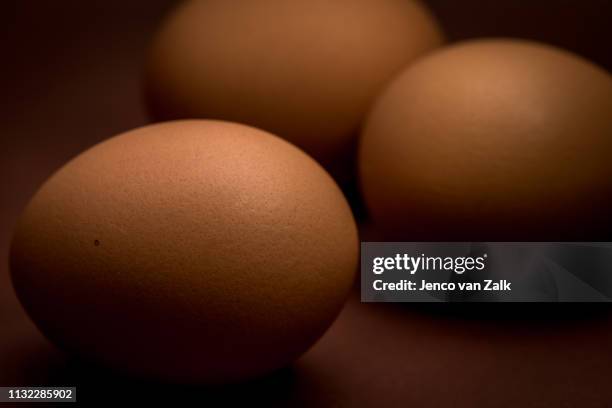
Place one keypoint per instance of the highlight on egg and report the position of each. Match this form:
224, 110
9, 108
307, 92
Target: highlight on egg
491, 140
192, 251
305, 70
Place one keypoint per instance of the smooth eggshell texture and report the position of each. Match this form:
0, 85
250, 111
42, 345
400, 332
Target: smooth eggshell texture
191, 251
305, 70
492, 140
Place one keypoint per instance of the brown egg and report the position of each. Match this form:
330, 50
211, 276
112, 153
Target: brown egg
306, 70
492, 140
191, 251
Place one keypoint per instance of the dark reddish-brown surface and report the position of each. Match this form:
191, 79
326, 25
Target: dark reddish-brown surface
70, 77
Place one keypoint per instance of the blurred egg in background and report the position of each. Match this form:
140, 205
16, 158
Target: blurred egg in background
306, 70
492, 140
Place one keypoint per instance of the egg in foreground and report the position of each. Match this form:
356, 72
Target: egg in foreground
305, 70
190, 251
492, 140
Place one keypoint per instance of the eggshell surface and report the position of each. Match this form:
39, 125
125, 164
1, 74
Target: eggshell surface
492, 140
190, 251
305, 70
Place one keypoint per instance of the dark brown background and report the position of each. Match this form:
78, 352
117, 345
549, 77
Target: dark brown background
70, 77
